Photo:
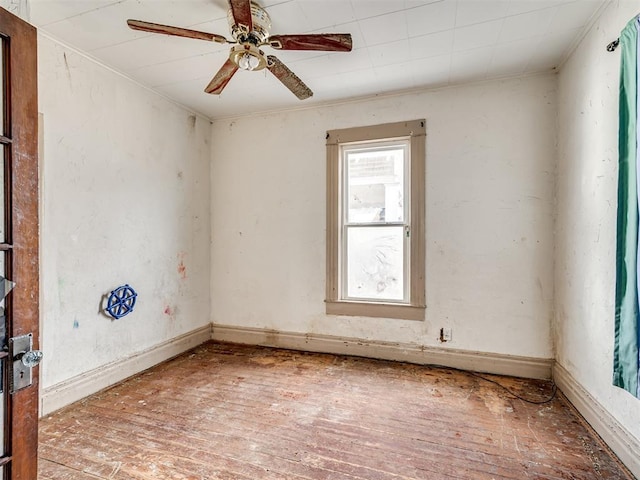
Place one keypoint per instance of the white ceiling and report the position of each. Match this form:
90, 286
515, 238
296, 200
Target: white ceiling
397, 45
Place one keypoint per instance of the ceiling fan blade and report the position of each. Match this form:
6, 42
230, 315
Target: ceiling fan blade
329, 42
220, 80
176, 31
241, 11
288, 78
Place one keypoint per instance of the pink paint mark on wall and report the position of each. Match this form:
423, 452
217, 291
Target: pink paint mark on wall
182, 270
167, 310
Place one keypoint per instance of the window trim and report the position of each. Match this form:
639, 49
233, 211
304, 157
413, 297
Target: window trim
414, 130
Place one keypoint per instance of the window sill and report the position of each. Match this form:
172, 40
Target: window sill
379, 310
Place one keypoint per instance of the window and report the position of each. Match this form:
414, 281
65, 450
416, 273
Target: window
375, 221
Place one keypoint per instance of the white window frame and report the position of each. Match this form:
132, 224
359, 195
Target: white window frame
346, 225
412, 307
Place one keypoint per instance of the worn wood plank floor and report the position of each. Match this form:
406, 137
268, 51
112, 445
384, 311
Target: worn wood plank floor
248, 413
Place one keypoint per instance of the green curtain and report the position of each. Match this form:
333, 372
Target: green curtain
625, 355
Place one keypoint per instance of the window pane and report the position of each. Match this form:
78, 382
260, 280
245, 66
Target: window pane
3, 400
2, 194
375, 261
2, 59
375, 185
4, 364
3, 292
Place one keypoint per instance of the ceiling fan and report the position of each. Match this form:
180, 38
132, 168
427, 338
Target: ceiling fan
250, 25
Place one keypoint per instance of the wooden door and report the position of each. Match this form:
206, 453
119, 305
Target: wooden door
19, 242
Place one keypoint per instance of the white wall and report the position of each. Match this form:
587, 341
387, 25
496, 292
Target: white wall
586, 224
125, 199
489, 217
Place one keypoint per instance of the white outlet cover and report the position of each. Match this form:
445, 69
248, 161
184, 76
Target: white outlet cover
447, 334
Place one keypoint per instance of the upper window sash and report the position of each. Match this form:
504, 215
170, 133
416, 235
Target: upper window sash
389, 215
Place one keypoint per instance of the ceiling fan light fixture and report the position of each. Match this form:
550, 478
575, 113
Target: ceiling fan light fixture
248, 57
248, 62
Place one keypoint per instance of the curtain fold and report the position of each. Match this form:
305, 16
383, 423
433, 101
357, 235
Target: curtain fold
627, 334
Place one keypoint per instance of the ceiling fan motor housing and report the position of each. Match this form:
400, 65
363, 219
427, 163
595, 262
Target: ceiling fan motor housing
260, 30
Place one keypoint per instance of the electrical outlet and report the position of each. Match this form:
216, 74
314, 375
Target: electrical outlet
445, 334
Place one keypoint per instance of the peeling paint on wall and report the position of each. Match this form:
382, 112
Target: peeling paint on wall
490, 147
20, 8
112, 214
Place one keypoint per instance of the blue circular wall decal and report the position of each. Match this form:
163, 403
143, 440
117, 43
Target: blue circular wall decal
121, 301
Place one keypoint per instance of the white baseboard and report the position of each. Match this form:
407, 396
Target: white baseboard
619, 439
76, 388
476, 361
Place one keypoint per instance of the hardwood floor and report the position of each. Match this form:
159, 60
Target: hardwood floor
236, 412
